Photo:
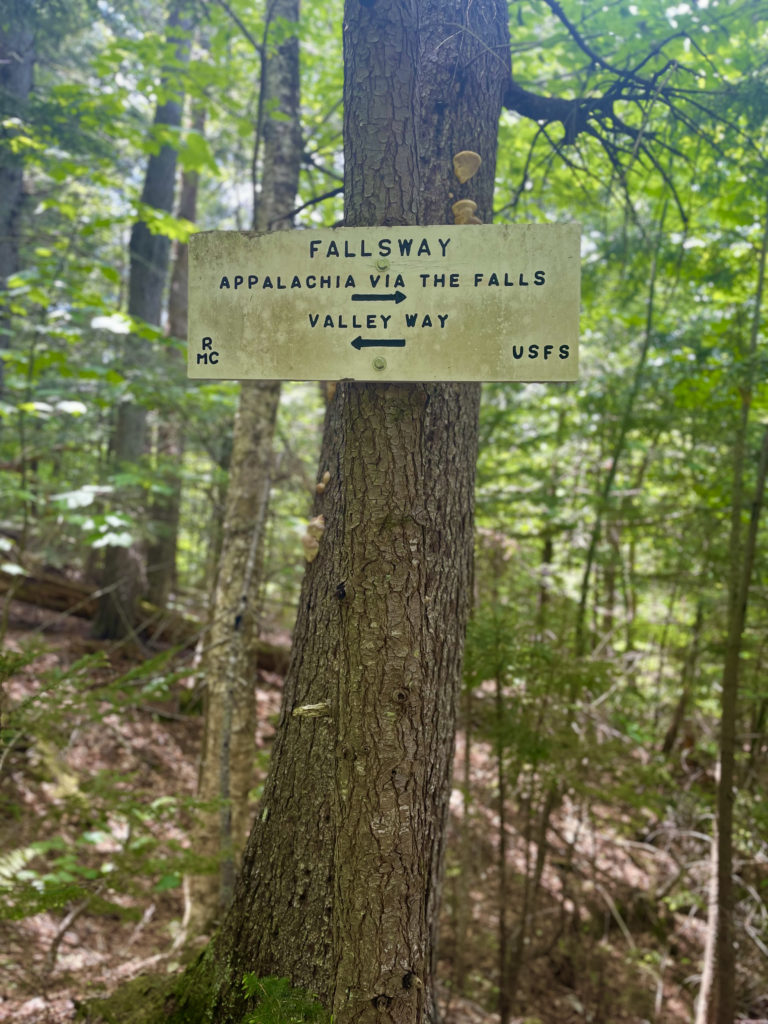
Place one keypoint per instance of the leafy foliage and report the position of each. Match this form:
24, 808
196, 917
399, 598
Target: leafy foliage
103, 839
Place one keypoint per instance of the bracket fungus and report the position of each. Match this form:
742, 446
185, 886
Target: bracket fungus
466, 164
464, 212
311, 539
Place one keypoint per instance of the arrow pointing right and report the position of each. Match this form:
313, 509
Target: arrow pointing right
376, 297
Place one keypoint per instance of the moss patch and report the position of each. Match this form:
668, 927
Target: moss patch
157, 998
186, 998
141, 1001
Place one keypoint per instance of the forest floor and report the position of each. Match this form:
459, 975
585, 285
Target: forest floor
112, 782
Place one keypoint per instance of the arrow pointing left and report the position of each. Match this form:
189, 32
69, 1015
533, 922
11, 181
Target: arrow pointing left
361, 342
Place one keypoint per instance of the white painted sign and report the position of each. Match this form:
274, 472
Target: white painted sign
438, 303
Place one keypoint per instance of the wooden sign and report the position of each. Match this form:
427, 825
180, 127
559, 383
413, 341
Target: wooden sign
438, 303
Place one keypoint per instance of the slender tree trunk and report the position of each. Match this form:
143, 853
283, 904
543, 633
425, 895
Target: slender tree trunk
611, 568
757, 737
501, 783
226, 768
725, 956
741, 558
165, 509
548, 533
527, 916
705, 1002
581, 639
229, 665
341, 876
123, 578
461, 959
17, 60
688, 681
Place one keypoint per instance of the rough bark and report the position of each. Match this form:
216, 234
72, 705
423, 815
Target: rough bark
341, 876
422, 82
226, 767
17, 60
148, 268
281, 134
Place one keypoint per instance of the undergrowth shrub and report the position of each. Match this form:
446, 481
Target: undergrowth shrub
105, 838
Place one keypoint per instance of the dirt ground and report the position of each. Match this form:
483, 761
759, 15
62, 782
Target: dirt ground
594, 956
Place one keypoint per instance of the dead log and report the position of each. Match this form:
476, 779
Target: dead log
55, 592
50, 590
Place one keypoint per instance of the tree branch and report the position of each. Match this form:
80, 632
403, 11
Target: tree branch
233, 15
577, 37
311, 202
595, 57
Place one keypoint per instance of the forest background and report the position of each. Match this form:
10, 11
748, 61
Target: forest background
615, 663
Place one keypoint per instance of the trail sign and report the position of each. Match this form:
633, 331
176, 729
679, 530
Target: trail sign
438, 303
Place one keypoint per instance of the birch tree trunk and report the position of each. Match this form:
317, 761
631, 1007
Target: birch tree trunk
705, 1001
229, 664
124, 568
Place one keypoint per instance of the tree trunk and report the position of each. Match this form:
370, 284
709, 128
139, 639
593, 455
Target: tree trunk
688, 682
548, 531
17, 59
741, 557
705, 1001
226, 769
461, 958
166, 507
505, 1002
725, 956
581, 644
341, 876
123, 579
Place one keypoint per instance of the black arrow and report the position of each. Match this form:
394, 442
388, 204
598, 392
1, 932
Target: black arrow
374, 297
359, 343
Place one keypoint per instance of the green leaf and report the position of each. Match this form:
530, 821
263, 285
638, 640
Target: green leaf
196, 154
168, 882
